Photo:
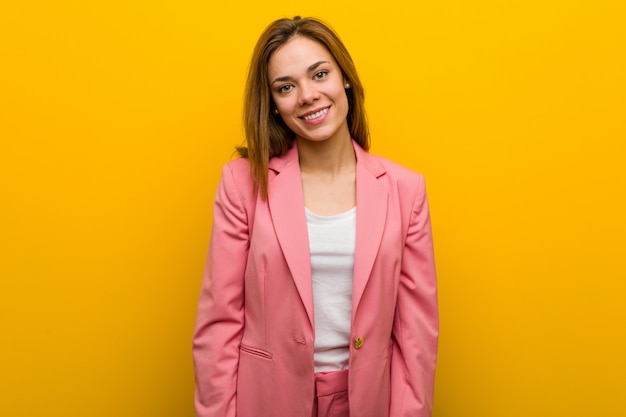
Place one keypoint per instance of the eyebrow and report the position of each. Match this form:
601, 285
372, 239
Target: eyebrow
309, 69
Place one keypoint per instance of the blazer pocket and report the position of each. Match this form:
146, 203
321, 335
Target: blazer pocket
260, 353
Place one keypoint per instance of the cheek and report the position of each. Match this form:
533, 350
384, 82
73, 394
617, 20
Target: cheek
291, 124
284, 104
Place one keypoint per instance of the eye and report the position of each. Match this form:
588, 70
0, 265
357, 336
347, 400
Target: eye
285, 88
320, 75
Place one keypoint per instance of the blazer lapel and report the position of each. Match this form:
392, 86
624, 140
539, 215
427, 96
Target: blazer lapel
371, 202
286, 204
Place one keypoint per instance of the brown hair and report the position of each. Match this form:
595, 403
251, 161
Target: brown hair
267, 135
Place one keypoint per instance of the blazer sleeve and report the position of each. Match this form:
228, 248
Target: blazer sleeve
219, 324
416, 323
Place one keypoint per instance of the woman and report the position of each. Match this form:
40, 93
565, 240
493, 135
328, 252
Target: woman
319, 296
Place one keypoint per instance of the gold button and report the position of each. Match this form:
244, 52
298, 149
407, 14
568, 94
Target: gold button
358, 343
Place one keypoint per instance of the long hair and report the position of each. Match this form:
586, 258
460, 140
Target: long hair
266, 134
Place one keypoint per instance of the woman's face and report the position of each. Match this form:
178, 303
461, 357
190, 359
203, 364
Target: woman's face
308, 89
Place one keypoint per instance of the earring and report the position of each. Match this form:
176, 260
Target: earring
347, 85
275, 111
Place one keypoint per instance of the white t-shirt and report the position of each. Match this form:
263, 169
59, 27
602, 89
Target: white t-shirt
331, 242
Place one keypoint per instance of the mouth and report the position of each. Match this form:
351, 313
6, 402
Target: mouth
315, 114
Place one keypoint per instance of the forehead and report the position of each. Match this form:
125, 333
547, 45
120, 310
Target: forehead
296, 55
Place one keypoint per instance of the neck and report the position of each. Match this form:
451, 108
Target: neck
326, 157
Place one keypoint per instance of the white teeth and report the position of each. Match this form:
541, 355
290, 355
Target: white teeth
316, 115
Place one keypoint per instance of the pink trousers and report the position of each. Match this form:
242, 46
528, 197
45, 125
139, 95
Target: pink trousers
331, 394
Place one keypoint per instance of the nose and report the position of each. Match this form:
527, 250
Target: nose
308, 94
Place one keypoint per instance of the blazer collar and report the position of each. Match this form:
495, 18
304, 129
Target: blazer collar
278, 163
286, 203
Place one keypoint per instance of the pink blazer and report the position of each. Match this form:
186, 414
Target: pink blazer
254, 336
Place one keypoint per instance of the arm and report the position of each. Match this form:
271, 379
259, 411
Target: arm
219, 324
416, 324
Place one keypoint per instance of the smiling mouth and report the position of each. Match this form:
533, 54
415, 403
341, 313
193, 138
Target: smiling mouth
316, 115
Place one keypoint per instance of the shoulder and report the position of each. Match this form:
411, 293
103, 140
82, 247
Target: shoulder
406, 186
238, 166
395, 173
238, 171
382, 167
236, 180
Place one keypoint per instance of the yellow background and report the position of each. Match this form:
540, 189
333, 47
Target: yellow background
115, 117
